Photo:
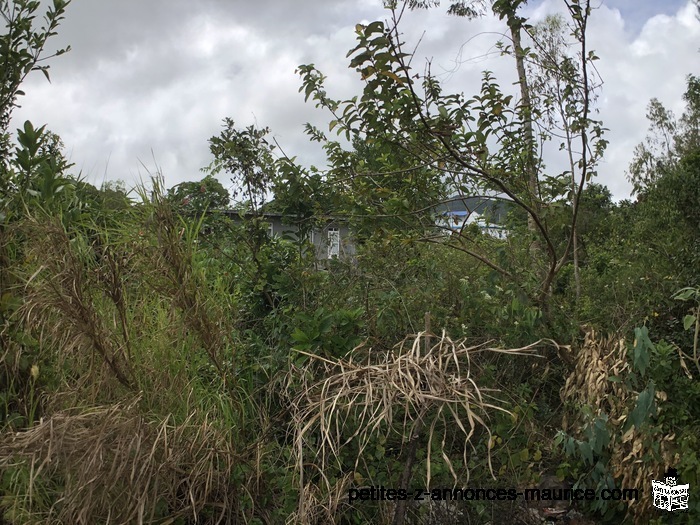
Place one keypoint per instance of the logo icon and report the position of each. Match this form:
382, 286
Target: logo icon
668, 495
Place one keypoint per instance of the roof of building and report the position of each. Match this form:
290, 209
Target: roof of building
494, 209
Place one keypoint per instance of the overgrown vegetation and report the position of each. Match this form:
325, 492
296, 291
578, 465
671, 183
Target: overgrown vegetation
164, 362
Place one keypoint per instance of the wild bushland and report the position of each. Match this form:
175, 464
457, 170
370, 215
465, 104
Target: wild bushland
135, 367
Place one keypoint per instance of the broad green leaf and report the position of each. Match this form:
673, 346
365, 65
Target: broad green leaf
688, 321
685, 293
601, 436
644, 408
375, 27
642, 347
586, 452
299, 336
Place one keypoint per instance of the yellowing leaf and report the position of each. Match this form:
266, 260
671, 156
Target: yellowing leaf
393, 76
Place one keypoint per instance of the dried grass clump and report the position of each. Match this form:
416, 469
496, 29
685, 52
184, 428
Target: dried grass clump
63, 297
92, 299
423, 385
322, 504
589, 385
598, 359
111, 465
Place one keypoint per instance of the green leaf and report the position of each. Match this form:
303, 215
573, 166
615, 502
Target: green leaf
325, 325
559, 438
300, 337
601, 436
688, 321
645, 407
375, 27
380, 41
685, 293
360, 59
642, 346
586, 452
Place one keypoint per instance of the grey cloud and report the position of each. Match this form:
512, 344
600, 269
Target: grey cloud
160, 75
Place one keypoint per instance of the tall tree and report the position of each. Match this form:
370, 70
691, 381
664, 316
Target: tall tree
454, 135
560, 100
194, 198
22, 45
245, 155
669, 139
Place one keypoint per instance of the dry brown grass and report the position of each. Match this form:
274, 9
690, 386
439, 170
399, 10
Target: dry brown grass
111, 465
110, 319
63, 300
322, 504
588, 385
419, 389
598, 359
85, 298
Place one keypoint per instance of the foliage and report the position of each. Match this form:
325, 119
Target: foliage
303, 197
163, 362
132, 472
194, 198
133, 317
626, 433
201, 202
691, 321
670, 139
22, 45
30, 175
246, 155
419, 390
449, 136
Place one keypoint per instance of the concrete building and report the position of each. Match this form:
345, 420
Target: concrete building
332, 239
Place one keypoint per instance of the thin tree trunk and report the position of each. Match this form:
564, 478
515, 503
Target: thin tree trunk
545, 273
577, 271
574, 206
526, 109
407, 474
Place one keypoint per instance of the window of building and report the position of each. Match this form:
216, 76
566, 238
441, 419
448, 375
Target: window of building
333, 242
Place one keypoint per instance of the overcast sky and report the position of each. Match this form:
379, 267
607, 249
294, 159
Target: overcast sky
148, 82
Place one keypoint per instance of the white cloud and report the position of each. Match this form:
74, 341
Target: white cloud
161, 75
636, 68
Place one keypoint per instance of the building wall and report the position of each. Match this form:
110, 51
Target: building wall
319, 237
